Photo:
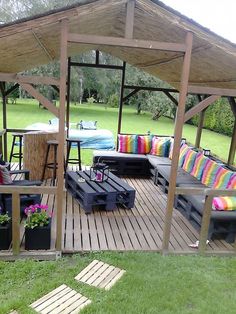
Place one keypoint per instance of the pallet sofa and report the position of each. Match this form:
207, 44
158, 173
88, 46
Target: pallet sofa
191, 173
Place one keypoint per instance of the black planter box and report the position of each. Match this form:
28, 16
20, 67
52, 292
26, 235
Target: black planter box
38, 238
5, 236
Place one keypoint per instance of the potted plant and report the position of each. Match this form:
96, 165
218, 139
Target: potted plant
37, 227
5, 231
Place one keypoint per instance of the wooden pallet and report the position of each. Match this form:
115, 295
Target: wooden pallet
99, 274
91, 193
62, 300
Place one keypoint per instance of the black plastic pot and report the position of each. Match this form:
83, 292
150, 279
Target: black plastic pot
5, 236
38, 238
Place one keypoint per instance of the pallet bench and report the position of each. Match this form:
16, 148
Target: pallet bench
91, 193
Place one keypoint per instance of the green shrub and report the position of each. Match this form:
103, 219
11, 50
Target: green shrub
113, 101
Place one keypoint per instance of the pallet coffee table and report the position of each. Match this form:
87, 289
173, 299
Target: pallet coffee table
91, 193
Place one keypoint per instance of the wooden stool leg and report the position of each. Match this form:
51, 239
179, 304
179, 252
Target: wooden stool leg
79, 157
12, 149
20, 152
45, 163
68, 153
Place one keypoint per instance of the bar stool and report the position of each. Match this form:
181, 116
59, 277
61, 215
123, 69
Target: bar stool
51, 165
69, 160
17, 141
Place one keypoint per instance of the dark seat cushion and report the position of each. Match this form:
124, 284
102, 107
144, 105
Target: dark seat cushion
115, 154
158, 160
182, 176
198, 201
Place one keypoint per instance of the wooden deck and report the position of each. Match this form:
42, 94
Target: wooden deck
136, 229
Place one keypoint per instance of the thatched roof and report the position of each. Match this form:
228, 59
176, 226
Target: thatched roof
28, 43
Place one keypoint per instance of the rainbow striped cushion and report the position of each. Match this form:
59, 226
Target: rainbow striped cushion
209, 172
222, 178
160, 146
183, 151
127, 143
224, 203
189, 160
198, 166
232, 182
171, 148
144, 144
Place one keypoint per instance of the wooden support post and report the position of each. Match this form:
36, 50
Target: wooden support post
68, 96
232, 149
179, 122
129, 27
16, 223
199, 128
205, 224
121, 98
60, 155
4, 121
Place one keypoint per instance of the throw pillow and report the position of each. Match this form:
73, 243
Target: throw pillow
199, 165
189, 160
160, 146
183, 151
222, 178
144, 144
171, 148
5, 177
232, 182
224, 203
209, 172
127, 143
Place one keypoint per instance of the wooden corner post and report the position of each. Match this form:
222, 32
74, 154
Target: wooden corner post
179, 121
61, 138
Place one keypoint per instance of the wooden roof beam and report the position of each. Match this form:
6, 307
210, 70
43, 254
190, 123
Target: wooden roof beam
17, 78
202, 90
125, 42
43, 100
200, 106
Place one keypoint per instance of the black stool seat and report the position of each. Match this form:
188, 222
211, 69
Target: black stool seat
51, 165
17, 141
69, 160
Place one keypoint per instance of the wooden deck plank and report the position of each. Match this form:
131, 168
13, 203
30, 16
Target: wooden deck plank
140, 228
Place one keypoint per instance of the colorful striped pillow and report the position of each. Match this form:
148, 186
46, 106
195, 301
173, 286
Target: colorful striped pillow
189, 160
171, 148
144, 144
198, 166
222, 178
224, 203
183, 151
232, 182
209, 172
127, 144
160, 146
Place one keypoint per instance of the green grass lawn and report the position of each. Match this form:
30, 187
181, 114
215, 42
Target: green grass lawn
152, 284
27, 112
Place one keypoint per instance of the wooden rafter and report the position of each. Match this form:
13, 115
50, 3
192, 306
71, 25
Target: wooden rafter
129, 24
125, 42
200, 106
45, 50
193, 89
43, 100
17, 78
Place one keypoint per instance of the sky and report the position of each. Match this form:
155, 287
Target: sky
217, 15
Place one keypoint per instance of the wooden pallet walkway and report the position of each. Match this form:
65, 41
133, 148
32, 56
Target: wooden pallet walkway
138, 229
